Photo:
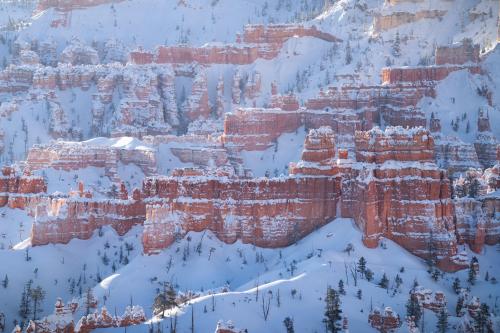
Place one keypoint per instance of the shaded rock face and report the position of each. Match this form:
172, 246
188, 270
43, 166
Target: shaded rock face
476, 208
394, 20
459, 54
64, 219
264, 212
19, 190
399, 192
80, 155
422, 74
394, 191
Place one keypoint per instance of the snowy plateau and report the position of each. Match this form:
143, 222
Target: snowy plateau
249, 166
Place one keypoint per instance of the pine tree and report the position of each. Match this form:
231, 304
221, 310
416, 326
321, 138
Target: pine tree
90, 300
482, 319
442, 323
456, 286
471, 275
333, 312
348, 55
341, 287
396, 46
459, 306
359, 294
362, 266
37, 295
384, 282
413, 308
398, 280
288, 322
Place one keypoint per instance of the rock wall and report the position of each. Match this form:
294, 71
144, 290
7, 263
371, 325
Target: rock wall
19, 190
79, 216
398, 192
396, 19
70, 156
259, 42
422, 74
460, 54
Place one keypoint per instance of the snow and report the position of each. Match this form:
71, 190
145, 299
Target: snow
274, 160
304, 66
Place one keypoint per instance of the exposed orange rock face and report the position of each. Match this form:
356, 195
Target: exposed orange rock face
79, 216
259, 42
422, 74
280, 33
258, 128
266, 212
458, 54
394, 20
19, 190
399, 192
387, 321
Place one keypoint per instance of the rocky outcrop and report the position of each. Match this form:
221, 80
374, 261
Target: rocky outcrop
19, 190
486, 144
259, 42
227, 327
133, 315
79, 54
266, 212
396, 19
477, 203
397, 191
80, 215
434, 301
386, 321
423, 74
459, 54
65, 155
63, 319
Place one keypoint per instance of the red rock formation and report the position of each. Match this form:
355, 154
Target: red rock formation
284, 210
385, 322
79, 216
79, 155
280, 33
394, 20
62, 320
132, 316
197, 105
422, 74
399, 193
259, 42
434, 301
258, 129
458, 54
18, 190
486, 143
